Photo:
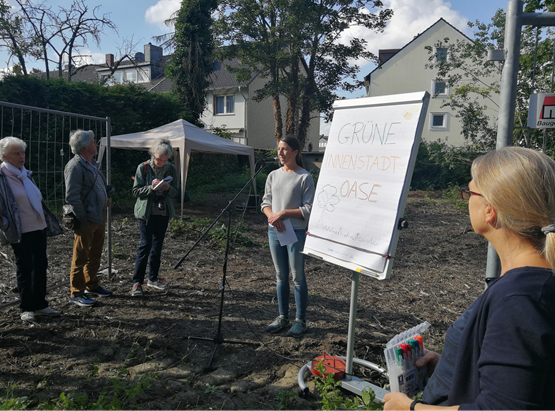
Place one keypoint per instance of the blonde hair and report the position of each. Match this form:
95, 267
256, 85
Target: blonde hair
520, 185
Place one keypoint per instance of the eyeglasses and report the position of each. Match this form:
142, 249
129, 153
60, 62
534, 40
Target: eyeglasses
466, 193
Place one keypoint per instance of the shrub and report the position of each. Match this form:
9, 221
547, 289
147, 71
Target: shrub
438, 165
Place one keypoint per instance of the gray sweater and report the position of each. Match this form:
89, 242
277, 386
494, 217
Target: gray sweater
290, 191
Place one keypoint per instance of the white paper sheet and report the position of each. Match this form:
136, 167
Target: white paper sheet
165, 180
363, 174
288, 236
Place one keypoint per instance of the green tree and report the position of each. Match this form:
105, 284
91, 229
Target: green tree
13, 35
193, 61
476, 82
298, 46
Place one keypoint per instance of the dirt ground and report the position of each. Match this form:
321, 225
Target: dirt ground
438, 271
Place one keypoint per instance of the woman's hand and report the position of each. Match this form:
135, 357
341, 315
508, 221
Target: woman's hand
276, 219
429, 361
396, 401
165, 186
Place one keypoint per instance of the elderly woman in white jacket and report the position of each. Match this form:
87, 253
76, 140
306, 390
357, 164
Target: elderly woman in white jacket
26, 222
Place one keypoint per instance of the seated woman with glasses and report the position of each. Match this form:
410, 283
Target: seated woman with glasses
500, 354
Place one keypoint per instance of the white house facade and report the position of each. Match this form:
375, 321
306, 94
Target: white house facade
230, 105
403, 71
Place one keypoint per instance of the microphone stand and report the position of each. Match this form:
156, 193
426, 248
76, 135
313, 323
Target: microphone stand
218, 338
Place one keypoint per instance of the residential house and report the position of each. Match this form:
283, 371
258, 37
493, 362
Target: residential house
230, 103
145, 69
403, 71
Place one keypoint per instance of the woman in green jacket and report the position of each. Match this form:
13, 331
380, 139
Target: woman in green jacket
155, 188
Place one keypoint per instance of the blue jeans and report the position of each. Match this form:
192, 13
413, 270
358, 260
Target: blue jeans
152, 239
283, 257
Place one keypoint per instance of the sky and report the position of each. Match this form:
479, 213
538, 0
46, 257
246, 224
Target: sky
139, 20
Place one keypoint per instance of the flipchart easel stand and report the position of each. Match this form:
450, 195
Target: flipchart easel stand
351, 382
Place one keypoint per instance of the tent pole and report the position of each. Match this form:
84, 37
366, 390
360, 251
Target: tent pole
109, 210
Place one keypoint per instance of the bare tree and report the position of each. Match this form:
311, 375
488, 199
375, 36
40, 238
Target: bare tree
78, 24
37, 31
39, 19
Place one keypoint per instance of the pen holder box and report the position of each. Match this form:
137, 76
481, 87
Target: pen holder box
403, 374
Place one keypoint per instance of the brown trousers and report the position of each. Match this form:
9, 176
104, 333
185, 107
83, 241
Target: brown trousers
87, 252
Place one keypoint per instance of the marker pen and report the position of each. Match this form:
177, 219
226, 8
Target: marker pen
416, 354
400, 358
408, 355
420, 343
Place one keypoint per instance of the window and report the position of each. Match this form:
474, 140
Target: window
438, 121
441, 54
224, 104
230, 104
118, 77
439, 89
131, 76
143, 76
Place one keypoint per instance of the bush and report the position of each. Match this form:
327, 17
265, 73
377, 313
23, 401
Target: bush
222, 173
439, 165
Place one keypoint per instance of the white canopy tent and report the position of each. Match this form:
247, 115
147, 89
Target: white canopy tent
185, 138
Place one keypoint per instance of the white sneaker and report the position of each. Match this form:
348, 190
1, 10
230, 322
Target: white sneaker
28, 316
158, 284
47, 311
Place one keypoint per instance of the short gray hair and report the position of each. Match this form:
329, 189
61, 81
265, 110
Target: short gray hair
79, 139
163, 147
10, 141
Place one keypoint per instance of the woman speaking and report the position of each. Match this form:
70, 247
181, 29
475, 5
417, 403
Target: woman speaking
288, 195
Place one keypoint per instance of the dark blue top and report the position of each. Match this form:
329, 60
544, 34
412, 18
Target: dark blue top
439, 385
505, 356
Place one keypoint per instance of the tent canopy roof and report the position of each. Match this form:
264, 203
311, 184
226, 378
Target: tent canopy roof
196, 139
184, 138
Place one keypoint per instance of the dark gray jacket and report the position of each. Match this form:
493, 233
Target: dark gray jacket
11, 222
80, 192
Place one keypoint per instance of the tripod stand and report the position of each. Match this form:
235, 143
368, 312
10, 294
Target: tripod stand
218, 338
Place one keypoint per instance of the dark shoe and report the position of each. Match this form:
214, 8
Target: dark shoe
279, 324
158, 284
83, 301
298, 329
99, 292
137, 290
